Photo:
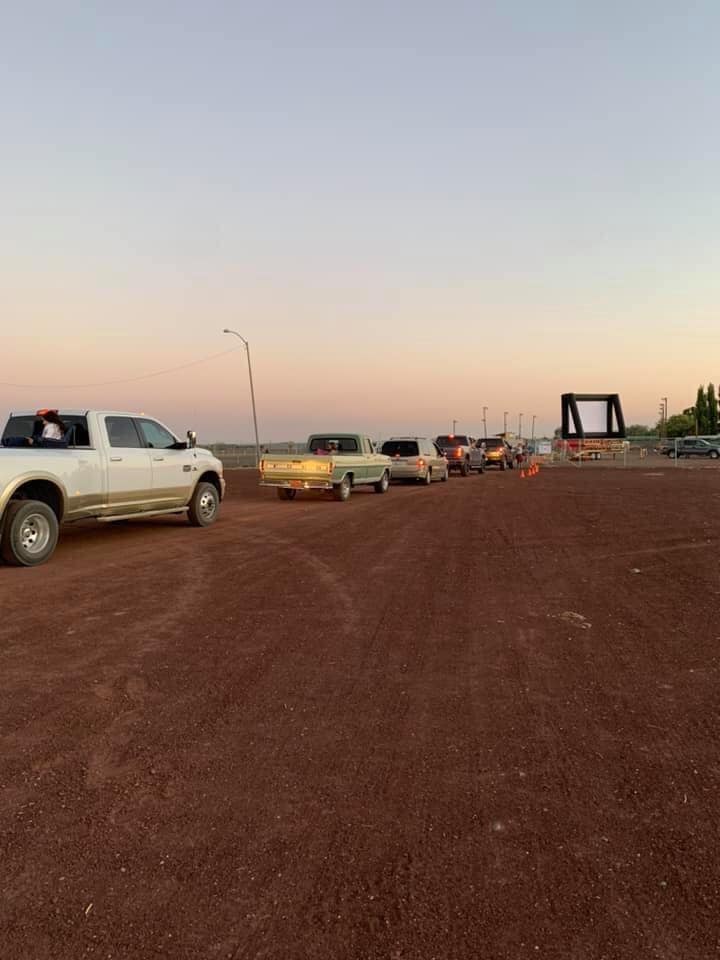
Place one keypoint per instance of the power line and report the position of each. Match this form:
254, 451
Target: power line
108, 383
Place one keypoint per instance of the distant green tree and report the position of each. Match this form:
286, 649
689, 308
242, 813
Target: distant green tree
712, 406
640, 430
701, 410
680, 424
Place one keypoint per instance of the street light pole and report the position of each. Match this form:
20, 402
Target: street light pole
520, 416
252, 392
532, 439
454, 425
485, 421
505, 416
664, 417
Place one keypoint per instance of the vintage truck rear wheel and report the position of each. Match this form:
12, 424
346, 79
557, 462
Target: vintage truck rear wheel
341, 491
286, 494
204, 505
383, 483
30, 533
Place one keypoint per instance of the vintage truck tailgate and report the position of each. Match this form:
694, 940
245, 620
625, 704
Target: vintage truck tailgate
296, 471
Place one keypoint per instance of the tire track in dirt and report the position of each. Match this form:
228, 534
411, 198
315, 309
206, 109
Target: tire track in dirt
366, 730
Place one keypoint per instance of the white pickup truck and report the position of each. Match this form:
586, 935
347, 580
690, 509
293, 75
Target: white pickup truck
115, 466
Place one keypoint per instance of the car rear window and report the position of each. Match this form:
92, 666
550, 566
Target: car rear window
400, 448
456, 440
492, 442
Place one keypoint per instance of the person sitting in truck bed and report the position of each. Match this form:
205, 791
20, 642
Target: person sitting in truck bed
54, 431
48, 431
52, 426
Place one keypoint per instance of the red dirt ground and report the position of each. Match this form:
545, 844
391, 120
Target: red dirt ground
479, 720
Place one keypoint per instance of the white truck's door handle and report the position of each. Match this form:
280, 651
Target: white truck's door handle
158, 458
115, 459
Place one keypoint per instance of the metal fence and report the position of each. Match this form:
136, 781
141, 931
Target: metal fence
646, 452
243, 454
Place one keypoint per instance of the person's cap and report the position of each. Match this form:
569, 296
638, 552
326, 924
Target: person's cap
41, 413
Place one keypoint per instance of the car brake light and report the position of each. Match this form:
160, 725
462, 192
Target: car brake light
458, 452
421, 462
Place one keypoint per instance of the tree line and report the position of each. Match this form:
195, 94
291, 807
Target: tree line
702, 419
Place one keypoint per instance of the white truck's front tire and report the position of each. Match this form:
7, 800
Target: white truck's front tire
204, 505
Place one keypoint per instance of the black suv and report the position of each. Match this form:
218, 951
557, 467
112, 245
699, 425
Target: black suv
695, 447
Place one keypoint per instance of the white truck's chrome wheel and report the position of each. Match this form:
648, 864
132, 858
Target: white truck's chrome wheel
207, 505
34, 534
204, 505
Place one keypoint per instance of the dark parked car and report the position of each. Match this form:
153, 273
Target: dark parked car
695, 447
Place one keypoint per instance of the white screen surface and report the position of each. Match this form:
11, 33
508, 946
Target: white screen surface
593, 415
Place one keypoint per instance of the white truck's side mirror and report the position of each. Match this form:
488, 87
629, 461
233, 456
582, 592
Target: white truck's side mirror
191, 439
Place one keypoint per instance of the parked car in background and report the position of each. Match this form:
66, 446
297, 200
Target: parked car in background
694, 447
111, 466
498, 453
583, 455
335, 462
462, 453
415, 458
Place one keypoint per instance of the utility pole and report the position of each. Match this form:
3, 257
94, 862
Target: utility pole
520, 416
505, 416
532, 441
664, 416
252, 392
454, 426
485, 421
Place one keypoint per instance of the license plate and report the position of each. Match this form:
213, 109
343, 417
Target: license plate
296, 483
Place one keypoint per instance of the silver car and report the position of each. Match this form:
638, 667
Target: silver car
415, 458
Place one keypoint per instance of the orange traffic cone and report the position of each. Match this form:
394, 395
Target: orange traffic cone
522, 474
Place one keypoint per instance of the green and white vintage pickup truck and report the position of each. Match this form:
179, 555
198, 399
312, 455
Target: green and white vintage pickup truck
334, 462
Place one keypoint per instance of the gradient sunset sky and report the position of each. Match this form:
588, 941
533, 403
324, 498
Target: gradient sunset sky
411, 210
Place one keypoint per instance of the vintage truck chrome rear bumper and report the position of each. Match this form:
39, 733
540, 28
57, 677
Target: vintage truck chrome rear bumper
298, 484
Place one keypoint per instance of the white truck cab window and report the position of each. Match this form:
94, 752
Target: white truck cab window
156, 436
122, 433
